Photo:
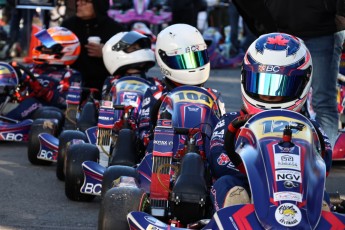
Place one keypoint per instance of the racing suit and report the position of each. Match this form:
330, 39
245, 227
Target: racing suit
54, 83
223, 168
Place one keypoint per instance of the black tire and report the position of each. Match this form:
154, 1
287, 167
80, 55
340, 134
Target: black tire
65, 137
74, 178
125, 151
50, 112
88, 117
114, 172
117, 203
39, 126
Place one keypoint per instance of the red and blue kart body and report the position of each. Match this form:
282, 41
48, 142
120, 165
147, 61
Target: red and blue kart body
10, 129
188, 107
18, 104
176, 170
128, 92
281, 154
140, 13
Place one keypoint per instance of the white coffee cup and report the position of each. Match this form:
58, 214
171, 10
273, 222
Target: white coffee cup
94, 39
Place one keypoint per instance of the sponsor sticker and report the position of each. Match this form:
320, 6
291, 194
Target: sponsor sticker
289, 161
283, 175
293, 196
288, 215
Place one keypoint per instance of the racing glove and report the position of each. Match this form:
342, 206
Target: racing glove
230, 137
41, 92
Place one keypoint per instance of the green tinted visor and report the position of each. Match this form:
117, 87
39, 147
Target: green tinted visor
189, 60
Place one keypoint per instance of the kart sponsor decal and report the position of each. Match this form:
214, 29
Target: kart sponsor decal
283, 175
274, 126
288, 161
33, 107
131, 85
193, 97
288, 215
293, 196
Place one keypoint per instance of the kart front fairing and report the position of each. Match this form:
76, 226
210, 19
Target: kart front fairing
287, 181
191, 107
130, 90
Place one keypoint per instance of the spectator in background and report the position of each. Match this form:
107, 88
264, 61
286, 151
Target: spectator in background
186, 11
91, 19
237, 46
20, 38
321, 26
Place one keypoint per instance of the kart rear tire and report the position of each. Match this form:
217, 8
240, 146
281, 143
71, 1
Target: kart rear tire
65, 137
39, 126
117, 203
76, 154
50, 112
114, 172
124, 152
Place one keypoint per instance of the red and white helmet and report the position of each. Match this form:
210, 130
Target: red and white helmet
276, 73
181, 53
60, 46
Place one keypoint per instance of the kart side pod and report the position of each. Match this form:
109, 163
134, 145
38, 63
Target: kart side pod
190, 191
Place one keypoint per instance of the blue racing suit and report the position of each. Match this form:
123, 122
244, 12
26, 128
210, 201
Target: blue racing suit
54, 83
223, 169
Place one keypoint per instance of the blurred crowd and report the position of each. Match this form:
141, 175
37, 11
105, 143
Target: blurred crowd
16, 23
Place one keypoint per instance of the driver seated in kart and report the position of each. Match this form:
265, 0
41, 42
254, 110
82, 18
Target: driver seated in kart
127, 54
51, 60
274, 63
181, 54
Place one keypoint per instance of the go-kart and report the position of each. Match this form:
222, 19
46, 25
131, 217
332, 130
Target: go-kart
14, 90
140, 11
281, 153
10, 129
111, 140
174, 179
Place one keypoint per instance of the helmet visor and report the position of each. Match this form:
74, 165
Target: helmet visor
45, 38
189, 60
132, 41
274, 85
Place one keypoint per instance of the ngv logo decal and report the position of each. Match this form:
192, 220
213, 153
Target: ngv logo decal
283, 175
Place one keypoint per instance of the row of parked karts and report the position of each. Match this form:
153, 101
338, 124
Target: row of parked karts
95, 149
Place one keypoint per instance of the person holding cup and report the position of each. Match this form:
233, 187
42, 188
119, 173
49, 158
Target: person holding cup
93, 27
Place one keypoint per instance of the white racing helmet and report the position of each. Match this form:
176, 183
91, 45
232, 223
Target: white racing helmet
181, 54
126, 50
276, 73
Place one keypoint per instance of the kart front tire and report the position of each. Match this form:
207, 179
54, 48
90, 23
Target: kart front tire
65, 137
117, 203
50, 112
114, 172
76, 154
39, 126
